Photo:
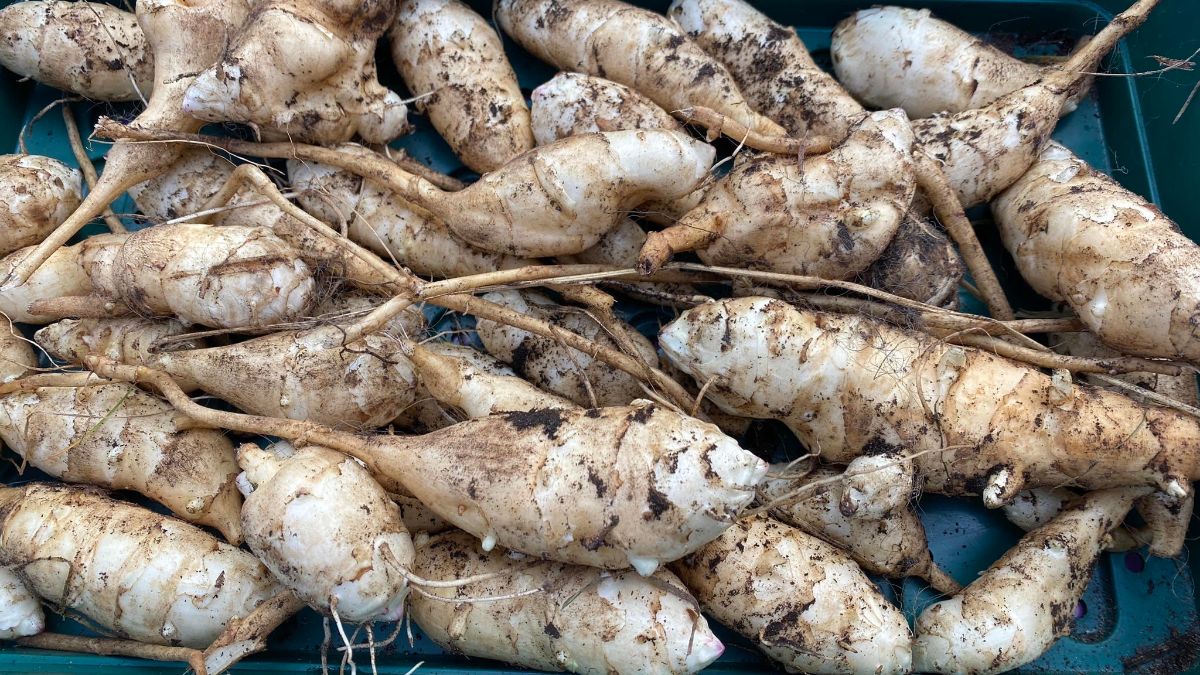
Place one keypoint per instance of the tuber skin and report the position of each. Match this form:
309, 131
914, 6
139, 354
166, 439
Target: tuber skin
554, 367
382, 221
943, 69
118, 437
443, 48
133, 572
223, 277
62, 274
570, 193
801, 601
830, 216
303, 71
184, 187
663, 483
891, 544
1167, 522
570, 104
417, 517
775, 70
307, 374
125, 339
974, 423
583, 620
36, 195
1167, 519
635, 512
92, 49
985, 150
771, 65
16, 356
875, 484
20, 612
185, 38
1034, 508
326, 529
1123, 266
633, 46
1023, 603
1180, 388
448, 361
476, 392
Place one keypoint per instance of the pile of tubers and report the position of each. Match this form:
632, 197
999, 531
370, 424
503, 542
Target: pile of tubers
433, 407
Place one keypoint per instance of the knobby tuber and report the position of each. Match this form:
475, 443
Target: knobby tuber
831, 215
118, 437
559, 617
92, 49
972, 422
304, 71
133, 572
552, 366
1123, 266
445, 50
803, 602
36, 195
318, 520
892, 544
943, 68
1025, 601
630, 45
646, 485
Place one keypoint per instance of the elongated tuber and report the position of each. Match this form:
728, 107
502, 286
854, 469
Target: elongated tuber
133, 572
803, 602
943, 69
630, 45
1024, 602
118, 437
892, 544
646, 485
88, 48
385, 223
554, 367
771, 65
224, 277
972, 422
1076, 235
572, 618
444, 49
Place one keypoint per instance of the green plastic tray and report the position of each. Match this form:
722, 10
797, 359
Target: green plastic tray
1137, 615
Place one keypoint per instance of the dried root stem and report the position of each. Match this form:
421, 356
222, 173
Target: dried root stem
117, 647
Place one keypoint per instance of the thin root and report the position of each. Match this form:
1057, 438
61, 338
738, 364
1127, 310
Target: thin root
722, 125
116, 647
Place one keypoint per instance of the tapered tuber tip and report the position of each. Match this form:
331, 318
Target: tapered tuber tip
705, 651
939, 580
655, 253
